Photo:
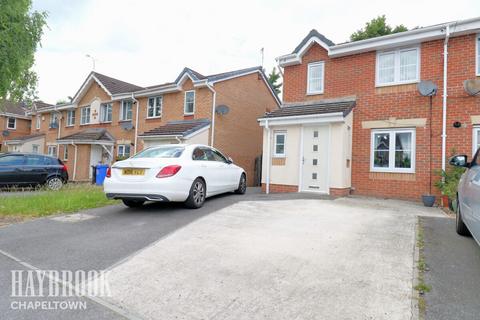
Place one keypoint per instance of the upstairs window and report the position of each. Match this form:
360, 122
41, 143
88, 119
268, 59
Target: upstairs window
106, 112
85, 115
154, 107
126, 110
189, 106
393, 150
53, 120
70, 118
12, 123
398, 66
279, 144
315, 77
37, 122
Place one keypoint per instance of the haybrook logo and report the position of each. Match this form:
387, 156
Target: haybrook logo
64, 284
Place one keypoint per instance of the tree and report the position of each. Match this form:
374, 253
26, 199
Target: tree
273, 78
20, 34
375, 28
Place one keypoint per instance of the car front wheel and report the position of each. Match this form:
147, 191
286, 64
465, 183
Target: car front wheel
459, 224
197, 194
54, 183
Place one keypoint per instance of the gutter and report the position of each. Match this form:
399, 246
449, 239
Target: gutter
75, 166
267, 178
212, 132
445, 94
137, 103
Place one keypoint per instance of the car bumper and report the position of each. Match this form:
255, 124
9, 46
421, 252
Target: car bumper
162, 191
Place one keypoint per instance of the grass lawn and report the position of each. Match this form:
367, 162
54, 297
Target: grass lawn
70, 198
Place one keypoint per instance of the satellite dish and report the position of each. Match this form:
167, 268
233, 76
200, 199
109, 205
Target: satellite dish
472, 86
127, 126
5, 133
222, 109
427, 88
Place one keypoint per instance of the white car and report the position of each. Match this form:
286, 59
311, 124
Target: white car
174, 172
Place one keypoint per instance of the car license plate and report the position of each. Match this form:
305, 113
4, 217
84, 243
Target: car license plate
133, 172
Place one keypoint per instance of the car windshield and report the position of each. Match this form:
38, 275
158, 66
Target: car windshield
161, 152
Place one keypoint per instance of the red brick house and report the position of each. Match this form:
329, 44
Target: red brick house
353, 120
110, 119
14, 123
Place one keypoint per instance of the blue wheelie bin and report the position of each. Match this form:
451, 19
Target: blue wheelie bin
101, 172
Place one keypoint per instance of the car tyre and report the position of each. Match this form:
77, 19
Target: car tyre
242, 185
459, 224
54, 183
197, 194
133, 203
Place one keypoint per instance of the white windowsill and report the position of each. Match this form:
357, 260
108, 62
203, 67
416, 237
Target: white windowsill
314, 93
157, 117
378, 170
390, 84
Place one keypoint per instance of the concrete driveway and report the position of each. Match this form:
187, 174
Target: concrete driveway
291, 259
239, 257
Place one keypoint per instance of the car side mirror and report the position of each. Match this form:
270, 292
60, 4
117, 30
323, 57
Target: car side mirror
459, 161
229, 160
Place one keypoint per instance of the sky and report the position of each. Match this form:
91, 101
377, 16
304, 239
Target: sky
149, 42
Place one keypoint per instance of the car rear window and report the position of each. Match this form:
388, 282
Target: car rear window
161, 152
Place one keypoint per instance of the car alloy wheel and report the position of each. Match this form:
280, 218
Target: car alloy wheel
198, 193
54, 183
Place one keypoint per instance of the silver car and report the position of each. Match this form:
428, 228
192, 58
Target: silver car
468, 196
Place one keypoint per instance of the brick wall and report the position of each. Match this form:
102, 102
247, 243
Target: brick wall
355, 75
22, 129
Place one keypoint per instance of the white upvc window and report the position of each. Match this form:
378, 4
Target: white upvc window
85, 115
106, 112
398, 66
52, 150
126, 110
315, 77
279, 140
53, 120
70, 118
478, 54
476, 139
189, 104
12, 123
154, 108
38, 120
35, 148
65, 152
123, 150
393, 150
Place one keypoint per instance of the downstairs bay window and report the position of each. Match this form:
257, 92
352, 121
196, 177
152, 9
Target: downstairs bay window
393, 150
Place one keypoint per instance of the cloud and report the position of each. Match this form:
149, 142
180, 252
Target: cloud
149, 42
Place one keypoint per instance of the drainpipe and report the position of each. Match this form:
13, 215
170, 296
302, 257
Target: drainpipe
267, 187
212, 137
444, 111
137, 103
75, 166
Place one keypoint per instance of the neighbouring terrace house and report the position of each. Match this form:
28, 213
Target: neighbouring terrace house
14, 123
109, 119
354, 121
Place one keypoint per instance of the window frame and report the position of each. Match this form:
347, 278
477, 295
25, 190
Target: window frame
14, 123
53, 115
65, 153
38, 122
477, 54
122, 146
309, 66
55, 147
69, 118
396, 68
392, 149
185, 103
123, 106
107, 106
82, 111
155, 107
36, 146
476, 140
275, 135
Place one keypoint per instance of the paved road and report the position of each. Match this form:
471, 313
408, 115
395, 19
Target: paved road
454, 274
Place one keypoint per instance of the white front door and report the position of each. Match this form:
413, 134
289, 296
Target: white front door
314, 162
95, 157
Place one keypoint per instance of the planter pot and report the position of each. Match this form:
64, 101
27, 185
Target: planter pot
445, 201
428, 200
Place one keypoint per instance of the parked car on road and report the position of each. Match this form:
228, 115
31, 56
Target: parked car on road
30, 169
174, 172
468, 196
